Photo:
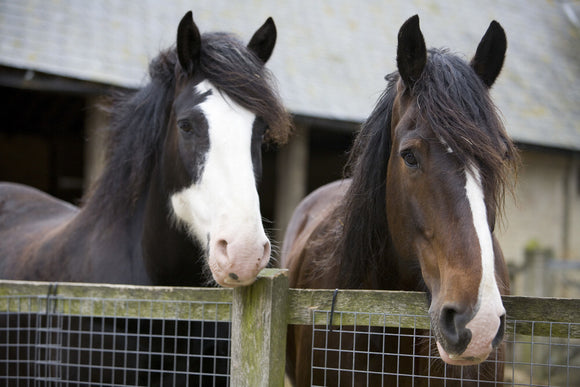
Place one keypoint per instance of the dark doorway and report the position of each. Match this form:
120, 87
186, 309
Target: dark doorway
41, 141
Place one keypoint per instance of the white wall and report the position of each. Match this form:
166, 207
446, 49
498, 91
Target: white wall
546, 210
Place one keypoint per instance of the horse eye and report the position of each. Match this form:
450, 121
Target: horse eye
409, 158
185, 125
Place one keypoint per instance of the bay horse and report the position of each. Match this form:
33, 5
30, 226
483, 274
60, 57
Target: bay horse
427, 175
177, 199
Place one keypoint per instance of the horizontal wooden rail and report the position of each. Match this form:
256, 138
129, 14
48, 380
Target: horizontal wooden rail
556, 317
123, 301
540, 316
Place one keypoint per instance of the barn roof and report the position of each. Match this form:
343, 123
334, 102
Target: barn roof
331, 56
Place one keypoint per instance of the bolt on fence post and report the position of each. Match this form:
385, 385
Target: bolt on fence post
259, 323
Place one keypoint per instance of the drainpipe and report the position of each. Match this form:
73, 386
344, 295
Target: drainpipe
571, 188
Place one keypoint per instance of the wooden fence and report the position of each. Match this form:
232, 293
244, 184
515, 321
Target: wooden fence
261, 312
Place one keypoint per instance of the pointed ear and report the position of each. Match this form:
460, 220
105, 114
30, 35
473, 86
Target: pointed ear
188, 43
263, 41
490, 54
411, 51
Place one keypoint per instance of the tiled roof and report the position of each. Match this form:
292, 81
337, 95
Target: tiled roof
331, 56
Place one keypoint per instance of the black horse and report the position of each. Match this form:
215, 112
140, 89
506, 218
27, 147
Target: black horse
178, 193
177, 198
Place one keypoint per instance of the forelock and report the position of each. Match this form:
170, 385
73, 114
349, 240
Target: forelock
456, 104
231, 67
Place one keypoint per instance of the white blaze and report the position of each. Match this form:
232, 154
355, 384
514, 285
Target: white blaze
485, 324
224, 203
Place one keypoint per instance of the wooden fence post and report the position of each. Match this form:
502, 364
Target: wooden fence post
259, 318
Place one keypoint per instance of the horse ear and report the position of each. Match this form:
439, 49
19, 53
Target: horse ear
490, 54
263, 41
188, 43
411, 51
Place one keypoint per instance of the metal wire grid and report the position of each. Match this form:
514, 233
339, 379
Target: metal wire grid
406, 355
542, 360
58, 348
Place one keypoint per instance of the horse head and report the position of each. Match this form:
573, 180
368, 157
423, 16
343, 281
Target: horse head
445, 177
223, 109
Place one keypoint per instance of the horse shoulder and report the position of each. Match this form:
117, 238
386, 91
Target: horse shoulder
307, 225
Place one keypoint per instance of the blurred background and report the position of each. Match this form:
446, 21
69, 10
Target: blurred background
59, 59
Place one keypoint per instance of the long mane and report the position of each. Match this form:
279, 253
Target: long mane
363, 212
457, 106
139, 119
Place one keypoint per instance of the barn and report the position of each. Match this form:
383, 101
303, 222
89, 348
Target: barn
59, 59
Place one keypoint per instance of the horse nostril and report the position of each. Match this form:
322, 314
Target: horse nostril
222, 247
448, 323
500, 332
266, 252
452, 324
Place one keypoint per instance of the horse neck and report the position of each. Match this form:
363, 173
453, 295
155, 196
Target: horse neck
380, 268
364, 249
348, 262
170, 255
137, 129
142, 239
111, 217
100, 243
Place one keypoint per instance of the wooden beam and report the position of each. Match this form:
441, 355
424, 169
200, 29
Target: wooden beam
555, 317
292, 174
104, 300
259, 321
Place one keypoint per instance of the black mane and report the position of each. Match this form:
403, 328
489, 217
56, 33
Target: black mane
139, 119
457, 106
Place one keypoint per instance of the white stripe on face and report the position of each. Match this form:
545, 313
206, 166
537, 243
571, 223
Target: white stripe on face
486, 322
224, 203
476, 200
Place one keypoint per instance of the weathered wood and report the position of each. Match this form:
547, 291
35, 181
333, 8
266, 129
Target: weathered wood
397, 306
555, 317
303, 302
107, 300
161, 302
259, 331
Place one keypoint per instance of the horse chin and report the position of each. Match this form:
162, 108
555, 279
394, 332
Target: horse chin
231, 275
459, 360
231, 283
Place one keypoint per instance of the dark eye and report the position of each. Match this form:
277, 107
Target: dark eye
409, 158
185, 125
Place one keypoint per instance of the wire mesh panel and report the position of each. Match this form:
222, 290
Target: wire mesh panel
61, 341
542, 359
400, 350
